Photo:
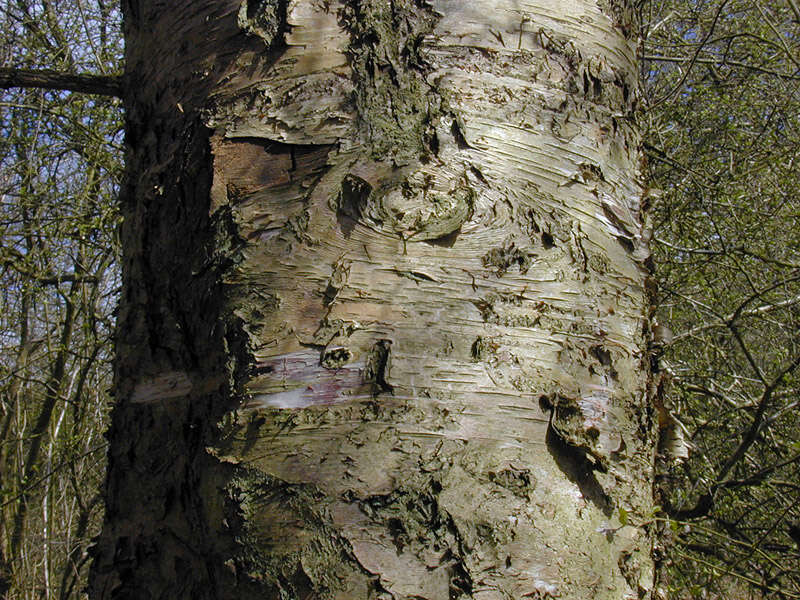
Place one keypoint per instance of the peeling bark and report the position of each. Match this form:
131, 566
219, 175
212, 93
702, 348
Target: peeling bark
385, 325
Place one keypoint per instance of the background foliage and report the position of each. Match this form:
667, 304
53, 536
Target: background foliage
721, 120
59, 166
721, 81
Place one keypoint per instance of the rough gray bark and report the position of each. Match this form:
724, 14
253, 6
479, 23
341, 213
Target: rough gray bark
384, 321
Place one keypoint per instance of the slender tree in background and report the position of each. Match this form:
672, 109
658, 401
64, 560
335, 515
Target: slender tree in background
58, 172
383, 330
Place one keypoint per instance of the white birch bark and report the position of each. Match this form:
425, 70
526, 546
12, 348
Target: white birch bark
432, 250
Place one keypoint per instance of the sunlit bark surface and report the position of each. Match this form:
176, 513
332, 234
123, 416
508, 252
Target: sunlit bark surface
384, 327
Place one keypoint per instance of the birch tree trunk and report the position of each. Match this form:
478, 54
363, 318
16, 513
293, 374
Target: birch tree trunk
384, 323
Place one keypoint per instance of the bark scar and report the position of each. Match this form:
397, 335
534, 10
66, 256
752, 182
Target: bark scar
378, 367
576, 441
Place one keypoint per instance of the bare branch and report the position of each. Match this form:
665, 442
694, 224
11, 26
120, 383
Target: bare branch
760, 310
103, 85
795, 9
719, 63
758, 420
693, 60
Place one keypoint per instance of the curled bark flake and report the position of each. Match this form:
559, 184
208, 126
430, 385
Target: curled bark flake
263, 18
